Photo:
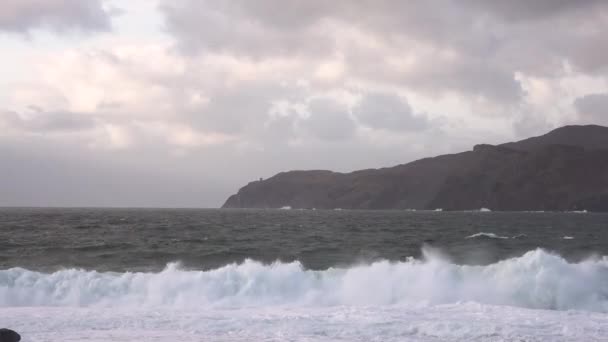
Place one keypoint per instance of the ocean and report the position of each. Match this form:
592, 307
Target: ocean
302, 275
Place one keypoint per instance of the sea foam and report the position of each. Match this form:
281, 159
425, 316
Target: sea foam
537, 280
486, 235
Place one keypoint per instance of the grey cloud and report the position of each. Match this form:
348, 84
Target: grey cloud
470, 48
233, 110
22, 16
279, 129
543, 47
389, 112
40, 121
470, 76
487, 43
36, 173
329, 120
229, 26
241, 107
531, 124
517, 10
593, 108
271, 27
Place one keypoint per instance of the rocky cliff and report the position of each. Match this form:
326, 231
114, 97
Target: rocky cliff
566, 169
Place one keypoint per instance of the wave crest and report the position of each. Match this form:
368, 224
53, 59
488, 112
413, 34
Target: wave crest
537, 279
484, 235
487, 236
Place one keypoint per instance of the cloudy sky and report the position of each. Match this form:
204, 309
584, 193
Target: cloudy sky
178, 103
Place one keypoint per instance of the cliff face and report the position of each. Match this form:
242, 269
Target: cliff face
566, 169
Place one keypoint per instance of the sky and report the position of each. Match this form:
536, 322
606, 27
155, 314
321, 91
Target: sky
179, 103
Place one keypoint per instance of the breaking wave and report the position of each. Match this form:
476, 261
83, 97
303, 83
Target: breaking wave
538, 279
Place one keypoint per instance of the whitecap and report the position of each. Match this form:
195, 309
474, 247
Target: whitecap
486, 235
538, 280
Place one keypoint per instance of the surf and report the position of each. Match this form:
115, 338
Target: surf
537, 280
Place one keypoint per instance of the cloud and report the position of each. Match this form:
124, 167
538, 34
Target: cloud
36, 120
38, 173
22, 16
389, 112
229, 91
473, 48
518, 10
593, 108
241, 107
240, 27
329, 120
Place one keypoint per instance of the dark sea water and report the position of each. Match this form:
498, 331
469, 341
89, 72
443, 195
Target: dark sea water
126, 275
148, 239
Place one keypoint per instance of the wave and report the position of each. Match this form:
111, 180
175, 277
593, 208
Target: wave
494, 236
538, 279
486, 235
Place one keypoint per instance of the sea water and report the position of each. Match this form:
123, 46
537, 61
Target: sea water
276, 275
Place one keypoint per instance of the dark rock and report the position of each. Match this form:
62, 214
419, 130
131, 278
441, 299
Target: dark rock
566, 169
7, 335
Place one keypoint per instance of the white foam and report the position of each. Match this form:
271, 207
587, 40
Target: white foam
416, 300
486, 235
495, 236
568, 238
454, 322
538, 279
578, 211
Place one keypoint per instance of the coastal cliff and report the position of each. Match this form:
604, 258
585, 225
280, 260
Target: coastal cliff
566, 169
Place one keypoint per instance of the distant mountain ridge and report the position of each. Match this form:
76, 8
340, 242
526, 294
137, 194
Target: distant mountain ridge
563, 170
